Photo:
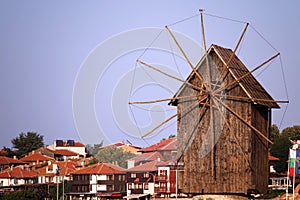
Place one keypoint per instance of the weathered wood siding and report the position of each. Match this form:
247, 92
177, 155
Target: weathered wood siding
238, 161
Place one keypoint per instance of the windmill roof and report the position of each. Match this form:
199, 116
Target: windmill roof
253, 89
101, 168
166, 144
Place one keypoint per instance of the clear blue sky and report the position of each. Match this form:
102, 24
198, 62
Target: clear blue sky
44, 44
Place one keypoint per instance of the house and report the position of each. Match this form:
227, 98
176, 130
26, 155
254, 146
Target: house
98, 181
70, 145
166, 147
223, 131
144, 158
65, 154
6, 162
18, 176
36, 159
140, 180
125, 147
56, 172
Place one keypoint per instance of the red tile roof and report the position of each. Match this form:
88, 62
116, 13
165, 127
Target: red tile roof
6, 161
272, 158
147, 167
101, 168
65, 152
35, 157
149, 156
18, 172
166, 145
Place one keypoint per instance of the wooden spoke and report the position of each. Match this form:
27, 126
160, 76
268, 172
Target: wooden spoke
224, 71
236, 81
247, 99
171, 76
245, 122
192, 97
194, 125
232, 133
173, 116
186, 57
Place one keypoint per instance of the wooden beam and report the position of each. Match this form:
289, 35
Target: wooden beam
173, 116
247, 99
186, 57
162, 100
171, 76
236, 81
244, 121
232, 55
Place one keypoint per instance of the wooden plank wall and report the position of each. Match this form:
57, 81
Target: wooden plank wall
239, 159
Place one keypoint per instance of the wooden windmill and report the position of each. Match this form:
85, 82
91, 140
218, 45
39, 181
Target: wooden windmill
224, 119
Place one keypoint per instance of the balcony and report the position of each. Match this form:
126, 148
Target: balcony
161, 178
161, 190
78, 182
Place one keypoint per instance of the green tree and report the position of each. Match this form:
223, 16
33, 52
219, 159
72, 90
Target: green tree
280, 149
26, 142
274, 132
291, 132
22, 195
93, 150
53, 191
114, 155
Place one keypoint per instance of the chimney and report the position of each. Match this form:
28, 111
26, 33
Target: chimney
15, 157
158, 158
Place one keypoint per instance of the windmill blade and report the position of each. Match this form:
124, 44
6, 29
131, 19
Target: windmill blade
186, 57
236, 81
224, 71
247, 99
192, 97
173, 116
171, 76
245, 122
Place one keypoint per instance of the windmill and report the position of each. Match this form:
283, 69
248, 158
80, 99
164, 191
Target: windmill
223, 123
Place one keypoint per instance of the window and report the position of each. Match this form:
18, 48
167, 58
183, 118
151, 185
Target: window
140, 185
110, 177
146, 186
163, 172
129, 186
133, 175
146, 175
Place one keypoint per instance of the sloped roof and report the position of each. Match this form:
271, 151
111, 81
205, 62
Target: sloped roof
149, 156
35, 157
272, 158
18, 172
7, 161
166, 145
253, 89
65, 152
147, 167
101, 168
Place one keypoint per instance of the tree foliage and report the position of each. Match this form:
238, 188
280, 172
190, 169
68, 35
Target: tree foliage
291, 132
26, 142
114, 155
274, 132
93, 150
22, 195
280, 149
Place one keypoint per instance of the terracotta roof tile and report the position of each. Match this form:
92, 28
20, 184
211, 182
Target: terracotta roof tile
18, 172
167, 144
35, 157
65, 152
6, 161
149, 156
147, 167
101, 168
